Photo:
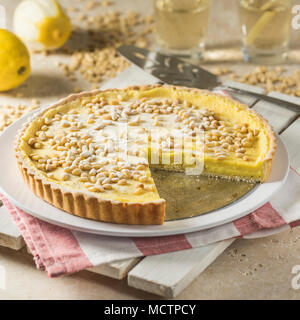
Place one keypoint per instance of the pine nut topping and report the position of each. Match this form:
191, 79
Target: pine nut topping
84, 150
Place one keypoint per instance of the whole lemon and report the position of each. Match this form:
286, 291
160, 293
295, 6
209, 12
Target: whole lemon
42, 24
14, 61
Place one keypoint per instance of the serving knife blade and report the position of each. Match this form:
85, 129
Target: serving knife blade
175, 71
169, 70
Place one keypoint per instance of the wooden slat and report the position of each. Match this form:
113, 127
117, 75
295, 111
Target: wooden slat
131, 76
291, 137
248, 100
10, 235
168, 274
117, 270
278, 116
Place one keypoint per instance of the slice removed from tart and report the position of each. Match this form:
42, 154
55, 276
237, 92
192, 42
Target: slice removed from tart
91, 153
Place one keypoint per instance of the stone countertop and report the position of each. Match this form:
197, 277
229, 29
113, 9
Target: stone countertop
248, 269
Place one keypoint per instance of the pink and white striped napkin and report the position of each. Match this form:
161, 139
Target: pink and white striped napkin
60, 251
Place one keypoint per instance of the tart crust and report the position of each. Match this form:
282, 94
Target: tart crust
91, 207
85, 204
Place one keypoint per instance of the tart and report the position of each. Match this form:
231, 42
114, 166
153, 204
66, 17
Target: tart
91, 153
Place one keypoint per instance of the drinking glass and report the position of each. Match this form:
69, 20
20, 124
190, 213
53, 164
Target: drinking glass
181, 26
265, 28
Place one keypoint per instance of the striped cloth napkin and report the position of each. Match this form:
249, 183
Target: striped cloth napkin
60, 251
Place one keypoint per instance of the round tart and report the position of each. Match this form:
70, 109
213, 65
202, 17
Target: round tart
91, 153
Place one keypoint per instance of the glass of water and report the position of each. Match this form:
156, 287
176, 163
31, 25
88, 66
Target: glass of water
265, 28
181, 26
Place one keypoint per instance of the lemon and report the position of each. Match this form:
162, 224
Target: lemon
42, 24
14, 61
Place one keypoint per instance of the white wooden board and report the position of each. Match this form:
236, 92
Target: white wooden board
278, 116
117, 270
291, 137
248, 100
168, 274
10, 235
131, 76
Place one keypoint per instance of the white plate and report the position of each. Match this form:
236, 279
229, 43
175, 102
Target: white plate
15, 189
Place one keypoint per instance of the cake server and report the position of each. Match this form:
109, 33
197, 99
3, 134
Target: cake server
172, 70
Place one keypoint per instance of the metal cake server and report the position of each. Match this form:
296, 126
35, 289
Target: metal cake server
175, 71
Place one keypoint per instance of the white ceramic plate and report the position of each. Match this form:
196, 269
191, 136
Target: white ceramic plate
15, 189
